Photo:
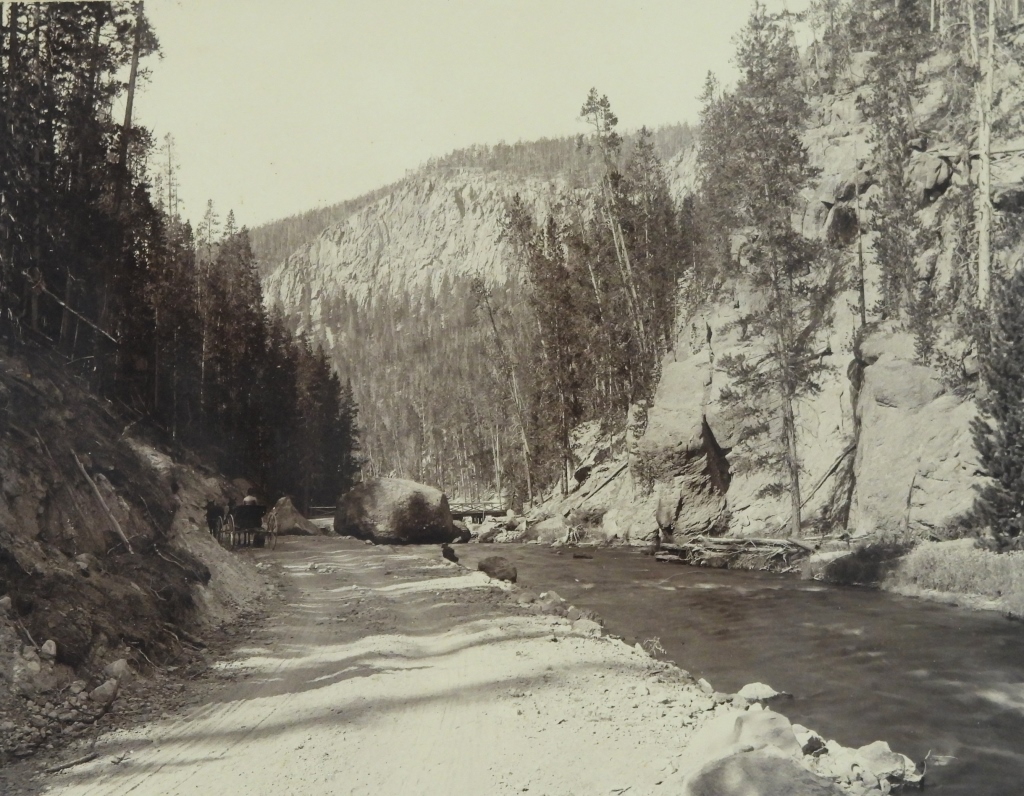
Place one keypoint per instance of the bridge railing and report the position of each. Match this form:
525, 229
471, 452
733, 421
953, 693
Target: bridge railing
476, 507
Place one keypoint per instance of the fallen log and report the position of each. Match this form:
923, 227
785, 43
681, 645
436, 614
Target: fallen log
103, 503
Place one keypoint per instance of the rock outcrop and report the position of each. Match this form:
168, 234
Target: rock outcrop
395, 511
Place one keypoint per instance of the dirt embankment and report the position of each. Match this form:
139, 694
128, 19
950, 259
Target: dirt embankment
104, 556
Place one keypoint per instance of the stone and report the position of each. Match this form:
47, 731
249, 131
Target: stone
754, 728
756, 692
930, 174
5, 605
757, 773
841, 225
395, 511
464, 534
881, 761
49, 650
290, 521
104, 694
499, 568
847, 187
915, 465
587, 627
550, 530
119, 670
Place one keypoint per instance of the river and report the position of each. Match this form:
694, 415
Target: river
861, 665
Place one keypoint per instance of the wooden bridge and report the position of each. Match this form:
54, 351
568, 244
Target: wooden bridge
476, 510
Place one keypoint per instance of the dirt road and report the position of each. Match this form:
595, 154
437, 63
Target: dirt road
393, 672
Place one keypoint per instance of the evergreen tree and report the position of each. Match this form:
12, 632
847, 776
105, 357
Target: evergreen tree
796, 283
900, 45
999, 427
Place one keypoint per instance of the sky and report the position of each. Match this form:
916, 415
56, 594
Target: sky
279, 107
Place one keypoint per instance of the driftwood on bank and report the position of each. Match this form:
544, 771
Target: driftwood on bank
777, 555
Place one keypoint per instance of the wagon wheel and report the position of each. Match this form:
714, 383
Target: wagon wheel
272, 529
227, 528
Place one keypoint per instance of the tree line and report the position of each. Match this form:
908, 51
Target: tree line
97, 264
753, 166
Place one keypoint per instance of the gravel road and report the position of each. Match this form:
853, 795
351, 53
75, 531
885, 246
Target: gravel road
391, 671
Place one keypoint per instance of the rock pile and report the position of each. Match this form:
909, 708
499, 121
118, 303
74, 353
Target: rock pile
744, 749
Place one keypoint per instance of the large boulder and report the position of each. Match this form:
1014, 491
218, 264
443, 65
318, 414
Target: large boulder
395, 511
758, 773
290, 522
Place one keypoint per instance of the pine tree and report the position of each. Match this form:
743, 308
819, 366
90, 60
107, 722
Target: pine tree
898, 30
208, 227
999, 427
797, 284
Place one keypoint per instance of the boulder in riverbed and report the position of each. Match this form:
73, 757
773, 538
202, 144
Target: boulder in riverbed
464, 534
395, 511
498, 568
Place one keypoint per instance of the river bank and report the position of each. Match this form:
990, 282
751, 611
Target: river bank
392, 671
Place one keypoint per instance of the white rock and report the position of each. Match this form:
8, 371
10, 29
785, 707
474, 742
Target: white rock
118, 670
587, 627
104, 694
757, 691
49, 650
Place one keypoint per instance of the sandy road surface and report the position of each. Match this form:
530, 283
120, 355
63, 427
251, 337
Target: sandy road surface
392, 672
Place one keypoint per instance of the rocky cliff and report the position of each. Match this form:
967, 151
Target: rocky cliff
885, 445
437, 224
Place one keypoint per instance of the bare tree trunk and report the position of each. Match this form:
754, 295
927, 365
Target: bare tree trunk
126, 130
517, 399
985, 176
793, 464
861, 297
984, 93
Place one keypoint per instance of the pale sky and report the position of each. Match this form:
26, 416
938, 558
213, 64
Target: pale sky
278, 107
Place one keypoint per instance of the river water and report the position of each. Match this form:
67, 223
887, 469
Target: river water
861, 665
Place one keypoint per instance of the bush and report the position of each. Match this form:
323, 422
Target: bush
868, 565
586, 518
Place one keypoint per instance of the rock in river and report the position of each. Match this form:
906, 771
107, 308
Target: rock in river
498, 568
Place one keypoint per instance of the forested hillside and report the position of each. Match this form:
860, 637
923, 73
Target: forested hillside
432, 279
97, 265
728, 317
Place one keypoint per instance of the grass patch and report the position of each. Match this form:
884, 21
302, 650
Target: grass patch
963, 568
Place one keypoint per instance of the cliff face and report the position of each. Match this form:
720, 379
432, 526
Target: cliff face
885, 445
432, 226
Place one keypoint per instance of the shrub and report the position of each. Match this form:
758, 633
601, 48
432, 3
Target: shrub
867, 565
